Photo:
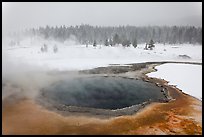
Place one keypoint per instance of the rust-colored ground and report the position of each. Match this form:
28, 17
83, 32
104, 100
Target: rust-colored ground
180, 116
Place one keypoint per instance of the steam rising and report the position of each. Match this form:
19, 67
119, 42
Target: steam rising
101, 92
19, 77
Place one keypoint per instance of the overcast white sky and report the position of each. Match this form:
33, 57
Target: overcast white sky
17, 16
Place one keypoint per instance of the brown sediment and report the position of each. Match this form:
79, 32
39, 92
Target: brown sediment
182, 115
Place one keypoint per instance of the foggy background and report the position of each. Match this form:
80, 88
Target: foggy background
21, 15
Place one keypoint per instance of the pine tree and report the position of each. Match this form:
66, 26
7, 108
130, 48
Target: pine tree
55, 49
151, 44
146, 47
173, 35
94, 44
106, 42
45, 48
126, 43
134, 43
111, 42
116, 39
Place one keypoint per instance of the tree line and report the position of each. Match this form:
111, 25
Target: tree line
125, 35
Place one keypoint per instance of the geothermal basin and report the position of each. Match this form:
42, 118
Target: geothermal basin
111, 95
96, 102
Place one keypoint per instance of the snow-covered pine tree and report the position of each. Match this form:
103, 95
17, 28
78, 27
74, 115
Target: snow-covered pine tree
126, 43
134, 43
94, 44
151, 44
106, 42
116, 39
55, 49
45, 48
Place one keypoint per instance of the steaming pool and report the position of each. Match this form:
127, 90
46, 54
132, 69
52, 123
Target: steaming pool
100, 92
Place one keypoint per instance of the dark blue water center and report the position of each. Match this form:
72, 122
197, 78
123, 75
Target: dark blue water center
102, 92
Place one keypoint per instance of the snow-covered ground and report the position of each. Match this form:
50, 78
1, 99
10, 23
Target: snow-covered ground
27, 55
78, 57
186, 77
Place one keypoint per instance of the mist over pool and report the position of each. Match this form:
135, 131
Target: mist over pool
102, 92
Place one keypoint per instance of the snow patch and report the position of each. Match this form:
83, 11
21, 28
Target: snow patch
186, 77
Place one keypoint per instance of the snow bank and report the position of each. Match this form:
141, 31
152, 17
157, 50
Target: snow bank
186, 77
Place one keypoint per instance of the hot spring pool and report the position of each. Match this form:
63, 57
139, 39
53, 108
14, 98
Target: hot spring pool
102, 92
